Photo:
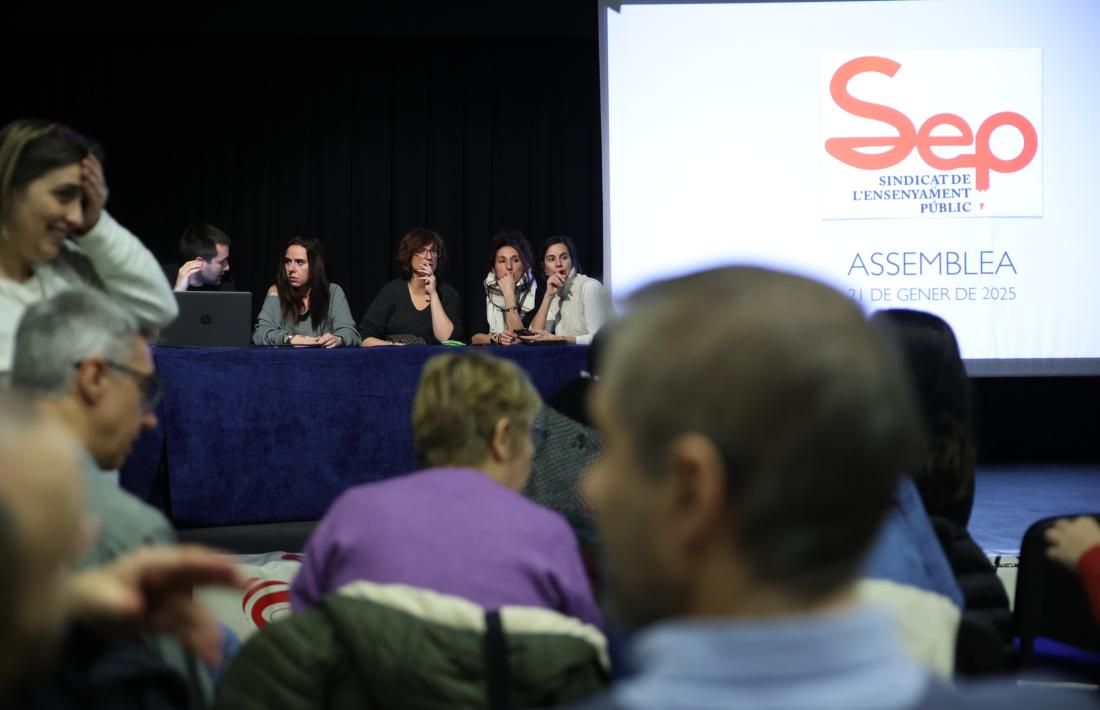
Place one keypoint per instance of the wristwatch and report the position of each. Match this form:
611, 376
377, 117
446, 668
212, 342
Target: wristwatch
287, 337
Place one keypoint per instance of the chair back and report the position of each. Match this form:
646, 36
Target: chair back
1050, 600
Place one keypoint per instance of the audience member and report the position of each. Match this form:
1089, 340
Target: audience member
907, 571
415, 308
509, 291
303, 308
946, 476
572, 445
736, 522
80, 357
1076, 544
204, 252
67, 639
55, 234
572, 306
460, 526
945, 479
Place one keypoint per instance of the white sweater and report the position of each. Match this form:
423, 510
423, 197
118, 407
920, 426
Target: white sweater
579, 309
110, 258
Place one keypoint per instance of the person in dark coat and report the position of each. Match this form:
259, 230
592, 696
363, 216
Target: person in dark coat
946, 484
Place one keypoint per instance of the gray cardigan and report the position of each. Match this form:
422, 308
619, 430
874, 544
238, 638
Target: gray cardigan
271, 328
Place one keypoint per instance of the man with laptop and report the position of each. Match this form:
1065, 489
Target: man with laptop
204, 253
212, 312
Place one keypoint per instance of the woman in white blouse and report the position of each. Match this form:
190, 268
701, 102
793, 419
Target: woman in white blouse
573, 306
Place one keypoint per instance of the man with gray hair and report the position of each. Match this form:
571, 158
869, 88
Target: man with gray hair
83, 360
81, 357
746, 473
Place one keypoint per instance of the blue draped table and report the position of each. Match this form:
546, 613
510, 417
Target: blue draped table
261, 435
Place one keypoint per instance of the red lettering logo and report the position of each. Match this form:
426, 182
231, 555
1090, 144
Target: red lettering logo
846, 150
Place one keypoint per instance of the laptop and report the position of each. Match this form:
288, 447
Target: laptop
212, 319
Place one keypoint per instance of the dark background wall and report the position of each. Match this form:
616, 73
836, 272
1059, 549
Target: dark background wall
351, 125
354, 122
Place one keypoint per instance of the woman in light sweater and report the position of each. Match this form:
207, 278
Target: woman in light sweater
302, 307
55, 234
573, 306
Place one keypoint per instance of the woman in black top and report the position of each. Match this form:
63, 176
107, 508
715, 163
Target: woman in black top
416, 308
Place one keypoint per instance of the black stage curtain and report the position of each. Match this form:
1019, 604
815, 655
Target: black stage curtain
350, 139
353, 122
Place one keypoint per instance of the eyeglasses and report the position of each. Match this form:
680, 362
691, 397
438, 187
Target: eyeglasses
150, 386
425, 251
539, 437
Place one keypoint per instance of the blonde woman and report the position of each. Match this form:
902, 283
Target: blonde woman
460, 526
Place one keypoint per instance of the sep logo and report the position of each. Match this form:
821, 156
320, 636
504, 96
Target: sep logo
982, 159
931, 133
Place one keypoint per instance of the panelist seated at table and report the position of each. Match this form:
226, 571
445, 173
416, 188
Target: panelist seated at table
204, 260
303, 308
459, 526
573, 306
509, 291
416, 308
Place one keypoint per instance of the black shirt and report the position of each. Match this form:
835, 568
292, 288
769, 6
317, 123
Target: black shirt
392, 313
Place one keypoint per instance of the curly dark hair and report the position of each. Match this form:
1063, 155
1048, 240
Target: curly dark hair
515, 239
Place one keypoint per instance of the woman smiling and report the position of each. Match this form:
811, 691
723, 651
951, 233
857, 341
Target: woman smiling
55, 233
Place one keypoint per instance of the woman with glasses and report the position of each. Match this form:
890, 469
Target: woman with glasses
509, 291
573, 306
416, 308
56, 235
303, 308
460, 526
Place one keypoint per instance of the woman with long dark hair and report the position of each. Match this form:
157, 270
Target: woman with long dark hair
302, 307
927, 343
945, 481
573, 306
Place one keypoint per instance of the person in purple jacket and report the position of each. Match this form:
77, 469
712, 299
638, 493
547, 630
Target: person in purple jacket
460, 525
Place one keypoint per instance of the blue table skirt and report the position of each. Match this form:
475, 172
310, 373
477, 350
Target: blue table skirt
258, 435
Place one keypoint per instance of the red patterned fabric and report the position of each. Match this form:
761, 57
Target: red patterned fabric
1088, 568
